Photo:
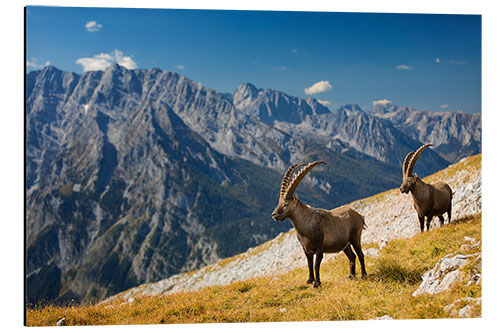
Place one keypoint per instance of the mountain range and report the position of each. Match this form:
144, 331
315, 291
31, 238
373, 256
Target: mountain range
133, 176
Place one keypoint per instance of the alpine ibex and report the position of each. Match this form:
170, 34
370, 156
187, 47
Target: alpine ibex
320, 231
429, 200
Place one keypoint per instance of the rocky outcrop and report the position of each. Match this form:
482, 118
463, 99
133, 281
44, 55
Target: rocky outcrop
445, 274
447, 271
463, 307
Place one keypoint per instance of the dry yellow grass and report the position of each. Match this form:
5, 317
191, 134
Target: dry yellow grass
392, 278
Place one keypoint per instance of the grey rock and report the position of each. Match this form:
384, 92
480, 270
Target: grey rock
444, 274
61, 322
384, 317
454, 309
371, 252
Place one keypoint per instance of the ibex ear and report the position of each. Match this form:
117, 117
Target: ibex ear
295, 197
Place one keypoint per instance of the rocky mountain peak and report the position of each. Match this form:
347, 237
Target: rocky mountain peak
383, 108
352, 108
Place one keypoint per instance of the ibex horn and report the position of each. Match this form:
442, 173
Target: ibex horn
298, 178
287, 177
414, 158
406, 161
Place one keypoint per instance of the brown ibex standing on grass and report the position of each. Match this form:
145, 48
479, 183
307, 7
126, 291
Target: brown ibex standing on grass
320, 231
429, 200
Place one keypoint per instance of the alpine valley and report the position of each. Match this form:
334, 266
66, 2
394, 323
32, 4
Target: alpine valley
133, 176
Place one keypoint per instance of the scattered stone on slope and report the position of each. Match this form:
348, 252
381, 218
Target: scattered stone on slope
61, 322
445, 274
457, 308
371, 252
384, 317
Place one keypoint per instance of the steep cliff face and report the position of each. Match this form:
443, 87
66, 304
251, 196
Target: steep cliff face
136, 175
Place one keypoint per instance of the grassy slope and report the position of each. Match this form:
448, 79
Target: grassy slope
393, 276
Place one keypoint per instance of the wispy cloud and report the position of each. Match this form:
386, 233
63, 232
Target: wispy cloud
444, 106
318, 87
451, 62
381, 102
294, 50
403, 67
457, 62
280, 68
102, 61
93, 26
179, 67
324, 103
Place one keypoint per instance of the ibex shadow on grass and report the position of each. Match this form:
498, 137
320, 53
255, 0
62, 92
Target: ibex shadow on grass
318, 230
429, 200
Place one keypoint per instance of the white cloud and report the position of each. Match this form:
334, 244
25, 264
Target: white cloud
280, 68
324, 103
93, 26
34, 63
31, 64
438, 60
444, 106
318, 87
102, 61
179, 66
403, 67
294, 50
381, 102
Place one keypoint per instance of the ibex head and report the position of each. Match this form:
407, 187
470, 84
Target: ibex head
409, 179
287, 200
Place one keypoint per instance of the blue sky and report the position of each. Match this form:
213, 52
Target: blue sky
426, 61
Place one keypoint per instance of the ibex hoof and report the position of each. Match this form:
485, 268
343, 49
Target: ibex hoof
317, 284
309, 281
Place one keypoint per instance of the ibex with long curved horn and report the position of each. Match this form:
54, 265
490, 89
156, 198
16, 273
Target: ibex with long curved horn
320, 231
429, 200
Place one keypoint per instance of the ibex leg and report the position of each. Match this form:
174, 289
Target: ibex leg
357, 247
441, 219
310, 265
421, 220
429, 219
319, 257
352, 259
